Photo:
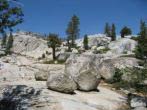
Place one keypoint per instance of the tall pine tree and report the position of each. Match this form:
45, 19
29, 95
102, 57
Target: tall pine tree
85, 42
73, 30
113, 33
107, 30
141, 50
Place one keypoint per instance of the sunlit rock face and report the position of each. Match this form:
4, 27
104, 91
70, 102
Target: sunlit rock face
95, 40
122, 46
29, 45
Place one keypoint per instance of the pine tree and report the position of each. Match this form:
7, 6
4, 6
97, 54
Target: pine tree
53, 42
10, 15
125, 31
9, 44
113, 33
73, 30
141, 49
107, 30
85, 42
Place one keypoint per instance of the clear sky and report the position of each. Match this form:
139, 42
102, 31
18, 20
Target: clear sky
45, 16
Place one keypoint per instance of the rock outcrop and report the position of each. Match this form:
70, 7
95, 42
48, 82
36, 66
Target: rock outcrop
122, 46
83, 70
29, 45
34, 96
95, 40
107, 67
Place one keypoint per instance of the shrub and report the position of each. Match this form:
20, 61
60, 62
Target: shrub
135, 77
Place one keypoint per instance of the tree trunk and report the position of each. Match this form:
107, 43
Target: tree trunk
54, 53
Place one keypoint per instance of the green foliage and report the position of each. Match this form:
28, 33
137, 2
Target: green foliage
85, 42
135, 78
107, 30
113, 33
117, 76
53, 42
73, 31
125, 31
10, 15
141, 49
139, 52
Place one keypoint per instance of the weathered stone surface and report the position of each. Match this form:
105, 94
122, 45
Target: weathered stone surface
122, 46
137, 102
43, 69
107, 67
32, 95
59, 81
41, 76
95, 40
83, 70
64, 56
30, 45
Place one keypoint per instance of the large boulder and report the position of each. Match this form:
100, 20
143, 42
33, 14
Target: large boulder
41, 75
59, 81
82, 68
107, 67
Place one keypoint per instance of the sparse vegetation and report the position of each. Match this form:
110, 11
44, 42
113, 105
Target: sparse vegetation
102, 51
135, 78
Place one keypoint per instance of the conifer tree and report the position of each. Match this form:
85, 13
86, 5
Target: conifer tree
107, 30
113, 33
53, 42
125, 31
73, 30
141, 50
10, 15
85, 42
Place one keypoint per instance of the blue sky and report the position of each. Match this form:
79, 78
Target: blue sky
45, 16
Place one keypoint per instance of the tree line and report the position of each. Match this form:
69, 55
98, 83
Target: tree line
12, 15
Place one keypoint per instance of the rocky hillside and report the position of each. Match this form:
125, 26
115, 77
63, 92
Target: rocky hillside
93, 79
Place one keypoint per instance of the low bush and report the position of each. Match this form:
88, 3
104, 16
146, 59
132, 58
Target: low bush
134, 79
